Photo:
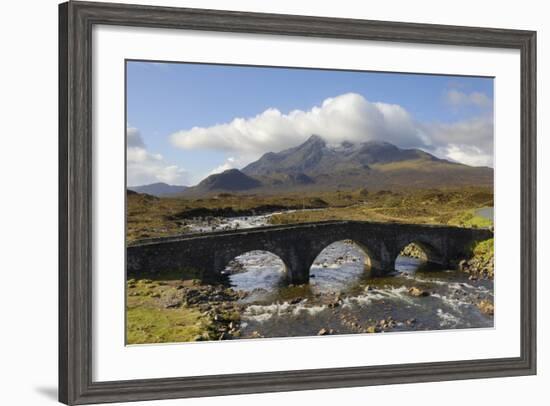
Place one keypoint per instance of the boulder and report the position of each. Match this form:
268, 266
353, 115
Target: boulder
487, 307
417, 292
373, 329
323, 332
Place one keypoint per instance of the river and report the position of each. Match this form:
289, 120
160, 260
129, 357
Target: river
340, 299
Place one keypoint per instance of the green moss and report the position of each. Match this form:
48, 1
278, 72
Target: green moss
149, 321
485, 249
147, 324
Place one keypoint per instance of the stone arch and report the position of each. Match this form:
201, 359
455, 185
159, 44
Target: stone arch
369, 262
429, 253
260, 252
265, 270
225, 257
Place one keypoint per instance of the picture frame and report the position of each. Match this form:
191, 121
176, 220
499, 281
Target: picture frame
76, 20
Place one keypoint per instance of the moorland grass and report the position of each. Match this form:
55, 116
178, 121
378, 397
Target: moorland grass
149, 321
149, 216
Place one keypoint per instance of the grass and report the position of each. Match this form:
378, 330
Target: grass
149, 216
149, 321
485, 249
152, 325
452, 207
469, 219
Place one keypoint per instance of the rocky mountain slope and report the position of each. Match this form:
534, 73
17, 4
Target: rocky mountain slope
314, 165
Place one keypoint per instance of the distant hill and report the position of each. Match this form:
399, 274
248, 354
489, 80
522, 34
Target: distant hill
314, 165
158, 189
231, 180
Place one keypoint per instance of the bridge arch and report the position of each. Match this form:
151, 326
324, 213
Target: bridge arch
256, 269
341, 249
224, 257
425, 251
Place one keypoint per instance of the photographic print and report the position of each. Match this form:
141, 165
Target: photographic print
269, 202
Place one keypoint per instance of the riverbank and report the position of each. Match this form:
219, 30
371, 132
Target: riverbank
181, 310
482, 263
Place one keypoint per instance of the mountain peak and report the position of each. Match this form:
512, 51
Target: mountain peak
230, 172
230, 180
314, 138
314, 157
315, 142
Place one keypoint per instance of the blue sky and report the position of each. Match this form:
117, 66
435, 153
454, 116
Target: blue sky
182, 126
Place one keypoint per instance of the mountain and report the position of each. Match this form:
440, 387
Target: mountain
158, 189
231, 180
314, 157
315, 165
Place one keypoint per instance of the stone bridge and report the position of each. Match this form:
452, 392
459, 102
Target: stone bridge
298, 245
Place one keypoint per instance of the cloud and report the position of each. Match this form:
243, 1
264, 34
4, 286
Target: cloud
456, 98
468, 141
144, 167
133, 138
470, 155
347, 117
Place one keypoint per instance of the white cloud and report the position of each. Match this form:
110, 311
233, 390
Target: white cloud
230, 163
456, 98
469, 141
144, 167
348, 117
469, 155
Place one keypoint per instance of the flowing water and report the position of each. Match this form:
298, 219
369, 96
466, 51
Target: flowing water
234, 223
341, 298
231, 223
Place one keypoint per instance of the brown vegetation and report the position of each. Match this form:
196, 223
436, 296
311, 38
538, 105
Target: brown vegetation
149, 216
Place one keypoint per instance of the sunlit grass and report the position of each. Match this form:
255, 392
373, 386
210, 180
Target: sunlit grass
154, 325
485, 249
419, 207
470, 219
148, 321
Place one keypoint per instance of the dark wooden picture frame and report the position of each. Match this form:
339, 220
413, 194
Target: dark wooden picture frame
76, 20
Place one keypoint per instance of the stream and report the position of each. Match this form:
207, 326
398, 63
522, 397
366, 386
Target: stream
340, 299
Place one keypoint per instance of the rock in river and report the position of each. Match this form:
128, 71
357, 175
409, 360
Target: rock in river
325, 332
486, 307
417, 292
